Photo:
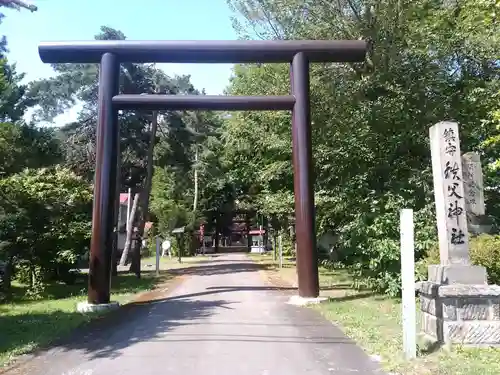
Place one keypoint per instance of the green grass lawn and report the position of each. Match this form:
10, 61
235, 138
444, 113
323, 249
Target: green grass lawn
29, 324
374, 322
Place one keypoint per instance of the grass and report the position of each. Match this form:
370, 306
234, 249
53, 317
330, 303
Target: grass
374, 322
28, 324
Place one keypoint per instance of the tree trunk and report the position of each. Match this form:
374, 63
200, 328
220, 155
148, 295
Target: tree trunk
135, 266
130, 228
275, 245
129, 203
180, 244
32, 276
5, 279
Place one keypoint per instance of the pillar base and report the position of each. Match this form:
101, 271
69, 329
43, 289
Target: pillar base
86, 307
304, 301
463, 314
457, 274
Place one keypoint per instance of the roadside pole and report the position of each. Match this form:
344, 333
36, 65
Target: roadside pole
408, 283
157, 255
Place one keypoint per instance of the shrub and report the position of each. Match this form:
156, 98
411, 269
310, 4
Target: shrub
369, 246
484, 251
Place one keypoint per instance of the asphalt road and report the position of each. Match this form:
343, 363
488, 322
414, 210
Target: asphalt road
222, 320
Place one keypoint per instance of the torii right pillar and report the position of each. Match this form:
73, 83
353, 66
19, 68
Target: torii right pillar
307, 260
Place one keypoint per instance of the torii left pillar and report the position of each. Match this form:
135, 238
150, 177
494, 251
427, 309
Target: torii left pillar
105, 189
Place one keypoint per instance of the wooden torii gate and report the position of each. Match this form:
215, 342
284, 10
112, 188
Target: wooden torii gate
111, 53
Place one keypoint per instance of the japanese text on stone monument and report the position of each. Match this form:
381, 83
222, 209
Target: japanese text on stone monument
473, 183
453, 180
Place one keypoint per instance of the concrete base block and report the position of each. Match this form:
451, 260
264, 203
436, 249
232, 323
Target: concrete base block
462, 314
85, 307
457, 274
304, 301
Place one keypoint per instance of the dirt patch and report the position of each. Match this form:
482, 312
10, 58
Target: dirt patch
277, 279
160, 291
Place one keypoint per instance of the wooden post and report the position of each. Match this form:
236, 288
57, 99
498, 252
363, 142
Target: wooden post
249, 237
280, 247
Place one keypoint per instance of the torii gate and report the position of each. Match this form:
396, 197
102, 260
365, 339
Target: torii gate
111, 53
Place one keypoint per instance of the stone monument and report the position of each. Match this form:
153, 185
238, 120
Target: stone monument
477, 220
473, 183
458, 306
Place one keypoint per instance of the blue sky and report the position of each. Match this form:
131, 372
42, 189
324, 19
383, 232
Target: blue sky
138, 20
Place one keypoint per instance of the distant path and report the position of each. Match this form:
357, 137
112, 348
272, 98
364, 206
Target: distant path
222, 320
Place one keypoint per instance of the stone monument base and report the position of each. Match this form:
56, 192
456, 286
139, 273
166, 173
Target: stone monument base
304, 301
85, 307
457, 274
461, 314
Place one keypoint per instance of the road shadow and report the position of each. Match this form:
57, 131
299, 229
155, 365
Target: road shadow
139, 322
230, 289
24, 329
261, 339
219, 268
104, 336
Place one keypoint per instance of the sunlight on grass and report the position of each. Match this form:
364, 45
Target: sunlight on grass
374, 321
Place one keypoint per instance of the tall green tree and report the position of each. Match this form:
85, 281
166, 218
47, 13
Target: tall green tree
27, 146
427, 61
190, 175
78, 84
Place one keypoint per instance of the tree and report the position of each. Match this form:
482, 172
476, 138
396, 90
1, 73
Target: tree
14, 100
21, 145
204, 129
17, 4
130, 225
78, 83
187, 153
161, 84
26, 146
44, 223
370, 120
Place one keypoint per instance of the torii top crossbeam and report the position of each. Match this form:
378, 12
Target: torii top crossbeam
180, 51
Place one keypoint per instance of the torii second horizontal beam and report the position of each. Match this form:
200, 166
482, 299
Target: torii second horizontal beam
203, 102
